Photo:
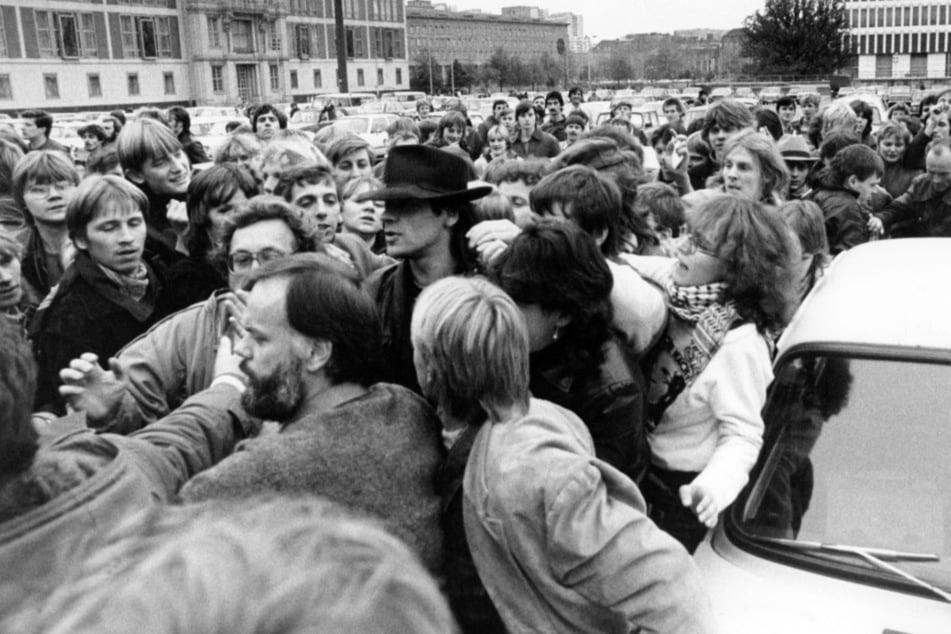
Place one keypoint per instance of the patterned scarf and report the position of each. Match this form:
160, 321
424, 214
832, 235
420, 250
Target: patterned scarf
134, 286
698, 323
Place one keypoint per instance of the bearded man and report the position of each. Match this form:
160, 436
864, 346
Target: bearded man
310, 345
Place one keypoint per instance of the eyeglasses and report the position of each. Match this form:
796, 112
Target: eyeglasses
241, 261
47, 189
692, 244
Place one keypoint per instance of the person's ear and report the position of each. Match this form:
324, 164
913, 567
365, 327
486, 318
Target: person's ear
450, 218
318, 355
601, 237
81, 242
135, 176
851, 182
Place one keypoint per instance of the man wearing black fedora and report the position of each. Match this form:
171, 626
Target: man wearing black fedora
428, 212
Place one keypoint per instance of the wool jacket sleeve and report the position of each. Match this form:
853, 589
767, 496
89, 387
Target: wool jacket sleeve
196, 436
602, 544
742, 373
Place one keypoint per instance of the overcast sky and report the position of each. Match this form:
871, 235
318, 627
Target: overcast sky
611, 19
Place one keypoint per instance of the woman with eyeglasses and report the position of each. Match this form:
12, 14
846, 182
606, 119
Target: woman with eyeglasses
43, 183
109, 294
729, 288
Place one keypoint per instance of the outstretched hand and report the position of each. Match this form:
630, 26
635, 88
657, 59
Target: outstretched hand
87, 387
699, 499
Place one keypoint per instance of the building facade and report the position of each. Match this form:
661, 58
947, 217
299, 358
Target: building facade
91, 54
105, 54
470, 37
900, 39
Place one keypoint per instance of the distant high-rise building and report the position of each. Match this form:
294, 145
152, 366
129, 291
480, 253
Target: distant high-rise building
900, 39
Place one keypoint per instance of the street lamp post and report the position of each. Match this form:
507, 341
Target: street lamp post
430, 67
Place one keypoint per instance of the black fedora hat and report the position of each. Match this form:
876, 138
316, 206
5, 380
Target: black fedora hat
420, 172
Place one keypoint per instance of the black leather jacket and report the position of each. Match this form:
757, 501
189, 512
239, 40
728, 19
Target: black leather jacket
611, 402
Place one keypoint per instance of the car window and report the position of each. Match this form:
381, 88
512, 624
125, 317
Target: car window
379, 125
356, 126
857, 453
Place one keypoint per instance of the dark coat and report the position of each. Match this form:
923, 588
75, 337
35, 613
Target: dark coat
395, 291
541, 144
470, 602
846, 221
88, 313
192, 280
33, 266
610, 402
923, 210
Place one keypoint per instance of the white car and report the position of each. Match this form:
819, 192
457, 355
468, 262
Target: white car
845, 525
370, 128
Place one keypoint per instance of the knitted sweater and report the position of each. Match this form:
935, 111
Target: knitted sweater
378, 453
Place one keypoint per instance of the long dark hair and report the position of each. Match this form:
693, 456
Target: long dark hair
558, 266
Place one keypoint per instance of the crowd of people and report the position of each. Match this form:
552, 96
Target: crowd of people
504, 379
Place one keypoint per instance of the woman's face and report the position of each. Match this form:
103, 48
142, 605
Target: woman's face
542, 326
697, 262
497, 145
891, 149
452, 135
742, 174
218, 216
357, 163
47, 202
362, 218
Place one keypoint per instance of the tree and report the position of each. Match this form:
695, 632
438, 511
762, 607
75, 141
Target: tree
501, 64
664, 63
618, 67
797, 37
419, 74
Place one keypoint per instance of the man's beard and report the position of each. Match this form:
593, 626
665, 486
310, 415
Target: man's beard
276, 397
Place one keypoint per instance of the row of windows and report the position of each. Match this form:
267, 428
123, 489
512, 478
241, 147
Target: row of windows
74, 35
885, 64
312, 41
274, 77
903, 43
933, 15
242, 34
93, 85
377, 10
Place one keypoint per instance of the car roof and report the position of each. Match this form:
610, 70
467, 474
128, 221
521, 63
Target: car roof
881, 293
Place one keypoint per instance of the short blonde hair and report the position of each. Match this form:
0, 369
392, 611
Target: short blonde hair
474, 341
268, 564
292, 151
144, 140
838, 117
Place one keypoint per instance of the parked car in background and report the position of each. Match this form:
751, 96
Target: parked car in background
689, 95
770, 94
212, 131
371, 128
897, 94
845, 524
722, 92
745, 92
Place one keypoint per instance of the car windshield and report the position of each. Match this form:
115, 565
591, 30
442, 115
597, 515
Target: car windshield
856, 453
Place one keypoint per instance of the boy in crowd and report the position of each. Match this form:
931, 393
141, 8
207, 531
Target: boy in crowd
853, 175
37, 126
575, 124
266, 120
555, 125
154, 159
93, 137
800, 162
786, 109
661, 206
514, 180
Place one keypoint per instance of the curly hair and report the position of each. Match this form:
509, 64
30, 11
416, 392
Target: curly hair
758, 250
557, 266
209, 188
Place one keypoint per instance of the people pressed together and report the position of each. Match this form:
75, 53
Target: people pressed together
515, 404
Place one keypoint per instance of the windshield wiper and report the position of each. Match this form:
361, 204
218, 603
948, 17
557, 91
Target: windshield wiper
877, 557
